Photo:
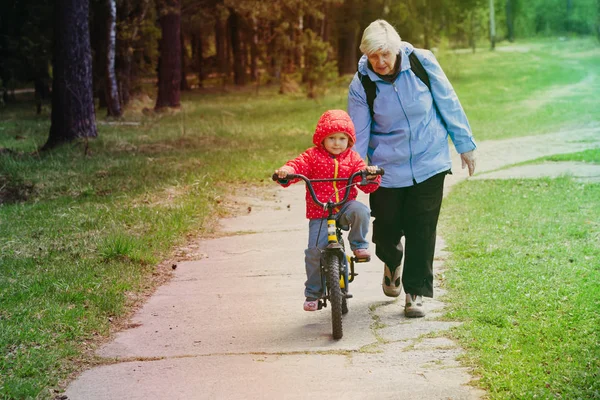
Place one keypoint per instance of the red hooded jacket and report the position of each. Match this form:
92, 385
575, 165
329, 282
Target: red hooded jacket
318, 163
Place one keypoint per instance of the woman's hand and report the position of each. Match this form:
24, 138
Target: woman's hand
284, 171
371, 169
468, 160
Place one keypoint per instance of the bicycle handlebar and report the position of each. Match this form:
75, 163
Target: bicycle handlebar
329, 204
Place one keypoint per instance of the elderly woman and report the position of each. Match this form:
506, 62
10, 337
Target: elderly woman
404, 108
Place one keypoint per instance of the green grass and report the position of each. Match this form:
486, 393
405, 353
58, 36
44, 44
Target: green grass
510, 94
82, 236
591, 156
524, 277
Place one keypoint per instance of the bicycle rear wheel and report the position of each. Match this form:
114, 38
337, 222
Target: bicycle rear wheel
335, 295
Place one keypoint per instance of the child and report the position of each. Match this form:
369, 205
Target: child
331, 157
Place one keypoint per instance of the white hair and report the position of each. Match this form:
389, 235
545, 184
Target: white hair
380, 36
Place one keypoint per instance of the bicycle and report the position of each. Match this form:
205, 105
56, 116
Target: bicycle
336, 265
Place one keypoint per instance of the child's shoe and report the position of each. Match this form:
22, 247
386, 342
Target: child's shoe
311, 304
362, 253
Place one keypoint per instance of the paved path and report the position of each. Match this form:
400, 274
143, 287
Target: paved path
231, 326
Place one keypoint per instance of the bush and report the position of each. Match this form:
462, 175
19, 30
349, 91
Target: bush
319, 68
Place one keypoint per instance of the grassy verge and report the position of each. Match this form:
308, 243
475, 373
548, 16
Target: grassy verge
524, 277
591, 156
81, 235
538, 87
81, 244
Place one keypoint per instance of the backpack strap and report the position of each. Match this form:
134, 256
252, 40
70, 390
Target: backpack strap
371, 89
418, 69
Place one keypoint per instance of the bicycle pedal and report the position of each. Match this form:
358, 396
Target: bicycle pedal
348, 295
361, 260
321, 305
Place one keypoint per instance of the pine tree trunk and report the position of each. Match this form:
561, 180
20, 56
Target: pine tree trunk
510, 30
472, 37
347, 49
492, 26
73, 115
239, 73
169, 71
254, 52
112, 90
221, 47
184, 83
198, 47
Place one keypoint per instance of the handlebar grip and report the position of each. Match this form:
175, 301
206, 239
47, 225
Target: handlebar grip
380, 171
289, 177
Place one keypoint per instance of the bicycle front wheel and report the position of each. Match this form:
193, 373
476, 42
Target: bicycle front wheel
335, 294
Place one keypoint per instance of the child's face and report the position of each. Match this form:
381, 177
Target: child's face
336, 143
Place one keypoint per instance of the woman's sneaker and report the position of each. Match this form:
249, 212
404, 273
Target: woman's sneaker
392, 285
311, 304
413, 306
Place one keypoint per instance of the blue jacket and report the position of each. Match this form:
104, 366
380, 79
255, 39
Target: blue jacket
408, 136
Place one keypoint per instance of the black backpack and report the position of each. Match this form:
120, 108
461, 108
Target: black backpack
369, 86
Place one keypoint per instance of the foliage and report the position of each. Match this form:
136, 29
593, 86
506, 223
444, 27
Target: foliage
319, 67
137, 40
25, 41
551, 17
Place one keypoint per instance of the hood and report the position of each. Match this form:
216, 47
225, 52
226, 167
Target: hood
334, 121
363, 64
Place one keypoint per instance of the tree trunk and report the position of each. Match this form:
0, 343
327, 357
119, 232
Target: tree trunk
510, 28
198, 47
298, 45
73, 115
221, 47
472, 36
169, 75
126, 63
184, 82
568, 16
112, 90
492, 26
239, 73
325, 31
598, 20
42, 89
427, 26
347, 48
254, 52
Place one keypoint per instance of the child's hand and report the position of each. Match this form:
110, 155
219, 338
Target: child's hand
284, 171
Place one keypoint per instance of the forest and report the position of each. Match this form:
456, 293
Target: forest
101, 52
192, 104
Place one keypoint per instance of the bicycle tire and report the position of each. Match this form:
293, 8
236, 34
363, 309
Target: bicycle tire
335, 295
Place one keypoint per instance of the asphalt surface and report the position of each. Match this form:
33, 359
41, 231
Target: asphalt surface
230, 325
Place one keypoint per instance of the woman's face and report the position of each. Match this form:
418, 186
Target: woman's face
382, 61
